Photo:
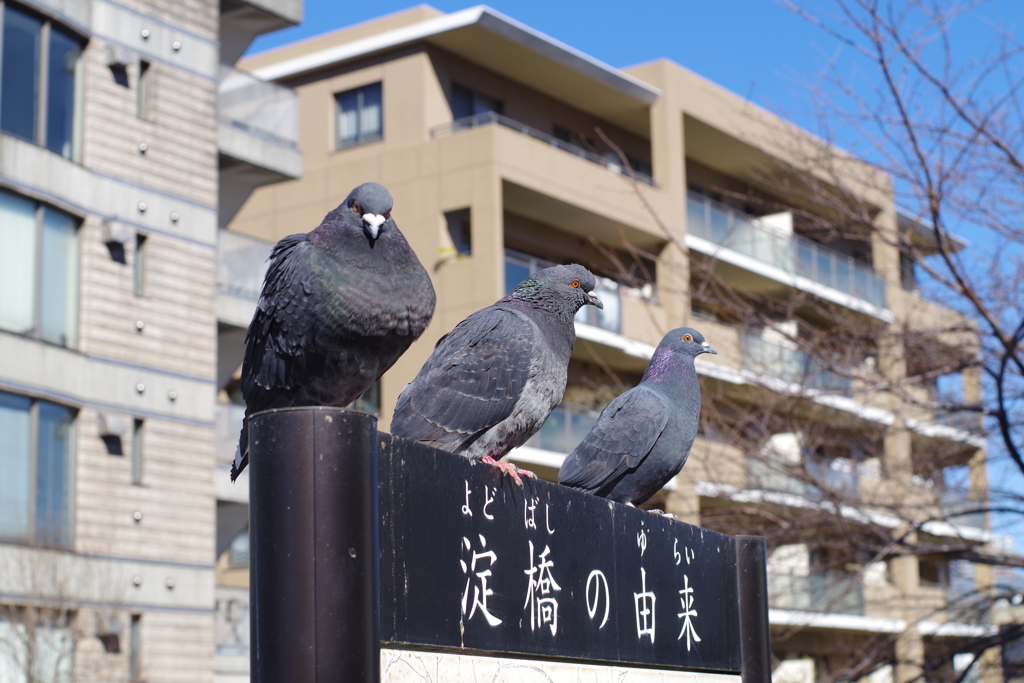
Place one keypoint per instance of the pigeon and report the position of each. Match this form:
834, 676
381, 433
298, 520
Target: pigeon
339, 305
492, 381
643, 438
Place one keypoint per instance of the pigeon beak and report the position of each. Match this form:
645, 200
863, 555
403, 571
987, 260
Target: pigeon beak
707, 348
373, 221
594, 301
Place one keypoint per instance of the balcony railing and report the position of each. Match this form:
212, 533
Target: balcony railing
826, 476
791, 365
490, 117
796, 255
564, 429
823, 590
231, 620
958, 508
228, 417
966, 420
262, 107
519, 266
241, 263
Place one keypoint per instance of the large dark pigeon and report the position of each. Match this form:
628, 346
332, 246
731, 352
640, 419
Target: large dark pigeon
642, 439
492, 381
339, 306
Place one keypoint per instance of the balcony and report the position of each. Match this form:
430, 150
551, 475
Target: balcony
823, 590
257, 137
487, 118
242, 20
825, 476
957, 508
789, 364
795, 256
228, 418
231, 632
519, 266
241, 266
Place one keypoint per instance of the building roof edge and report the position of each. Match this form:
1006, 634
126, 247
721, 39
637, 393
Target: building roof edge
486, 18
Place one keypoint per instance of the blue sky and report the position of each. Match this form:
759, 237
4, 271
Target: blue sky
755, 48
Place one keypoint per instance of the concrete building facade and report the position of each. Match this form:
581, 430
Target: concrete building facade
124, 130
506, 151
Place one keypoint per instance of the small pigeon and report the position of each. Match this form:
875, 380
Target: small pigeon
642, 439
339, 306
492, 381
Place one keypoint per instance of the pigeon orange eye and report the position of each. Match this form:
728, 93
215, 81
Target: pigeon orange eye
687, 338
355, 207
575, 283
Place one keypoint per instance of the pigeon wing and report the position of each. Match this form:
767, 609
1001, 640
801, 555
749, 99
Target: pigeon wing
280, 352
471, 382
624, 434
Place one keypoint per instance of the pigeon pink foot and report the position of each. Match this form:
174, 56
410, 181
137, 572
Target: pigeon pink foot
509, 469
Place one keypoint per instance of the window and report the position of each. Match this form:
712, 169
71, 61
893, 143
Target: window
38, 644
369, 400
142, 94
35, 457
519, 266
137, 453
38, 270
908, 273
459, 229
567, 136
40, 82
139, 269
466, 102
134, 649
238, 551
360, 116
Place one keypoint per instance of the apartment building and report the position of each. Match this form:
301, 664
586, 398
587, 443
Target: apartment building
127, 137
507, 150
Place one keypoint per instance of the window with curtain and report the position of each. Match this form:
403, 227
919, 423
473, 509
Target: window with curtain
35, 456
40, 81
38, 270
360, 116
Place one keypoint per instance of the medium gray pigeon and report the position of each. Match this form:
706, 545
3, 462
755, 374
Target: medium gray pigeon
339, 306
492, 381
642, 439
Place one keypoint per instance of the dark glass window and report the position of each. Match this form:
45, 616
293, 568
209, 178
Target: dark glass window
459, 229
60, 100
35, 52
139, 268
467, 102
143, 94
19, 99
38, 443
135, 648
360, 115
137, 452
369, 400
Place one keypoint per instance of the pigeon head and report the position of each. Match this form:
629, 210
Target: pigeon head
565, 288
682, 343
369, 206
686, 340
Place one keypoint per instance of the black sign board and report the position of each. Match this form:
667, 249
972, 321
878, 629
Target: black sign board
358, 539
471, 560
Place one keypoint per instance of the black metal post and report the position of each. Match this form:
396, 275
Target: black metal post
752, 590
313, 546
